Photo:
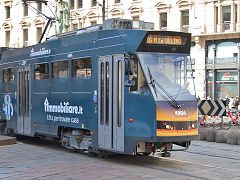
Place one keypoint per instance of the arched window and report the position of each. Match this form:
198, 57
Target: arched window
116, 13
25, 25
92, 16
163, 10
184, 7
39, 24
135, 12
7, 28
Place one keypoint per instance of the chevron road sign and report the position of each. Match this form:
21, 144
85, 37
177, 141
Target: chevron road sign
212, 107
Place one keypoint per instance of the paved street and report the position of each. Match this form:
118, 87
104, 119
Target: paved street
46, 160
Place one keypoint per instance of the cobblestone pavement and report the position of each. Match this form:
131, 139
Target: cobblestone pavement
45, 160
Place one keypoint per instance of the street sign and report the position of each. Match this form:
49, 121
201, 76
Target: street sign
212, 107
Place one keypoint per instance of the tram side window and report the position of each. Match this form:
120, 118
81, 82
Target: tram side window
138, 77
41, 71
8, 75
60, 69
82, 67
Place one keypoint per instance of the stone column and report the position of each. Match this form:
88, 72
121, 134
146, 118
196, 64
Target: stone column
232, 24
220, 21
199, 54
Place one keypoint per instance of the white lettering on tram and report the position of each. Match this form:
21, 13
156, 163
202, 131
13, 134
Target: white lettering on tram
180, 113
63, 107
42, 51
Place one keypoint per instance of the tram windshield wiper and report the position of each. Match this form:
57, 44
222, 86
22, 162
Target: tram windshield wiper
152, 82
174, 103
166, 96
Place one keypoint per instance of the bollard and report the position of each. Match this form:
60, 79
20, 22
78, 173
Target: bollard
232, 137
221, 136
203, 133
238, 138
211, 132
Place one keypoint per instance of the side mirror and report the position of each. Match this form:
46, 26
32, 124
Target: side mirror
129, 66
129, 83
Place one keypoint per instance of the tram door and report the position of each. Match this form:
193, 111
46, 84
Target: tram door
23, 100
111, 102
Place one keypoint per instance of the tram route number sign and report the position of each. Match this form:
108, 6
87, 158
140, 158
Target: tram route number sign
166, 40
212, 107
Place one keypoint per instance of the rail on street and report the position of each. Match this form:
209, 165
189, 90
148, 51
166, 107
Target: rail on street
32, 158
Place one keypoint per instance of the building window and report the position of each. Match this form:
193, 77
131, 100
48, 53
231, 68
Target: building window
135, 17
7, 8
41, 71
236, 15
227, 52
39, 6
80, 4
163, 21
82, 67
72, 4
94, 2
185, 20
25, 37
8, 75
210, 54
209, 84
226, 83
117, 1
7, 38
74, 26
216, 15
39, 33
93, 23
60, 69
25, 10
226, 17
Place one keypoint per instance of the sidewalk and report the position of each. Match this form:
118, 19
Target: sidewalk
6, 140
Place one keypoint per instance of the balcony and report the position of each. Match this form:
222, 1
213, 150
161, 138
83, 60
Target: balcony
225, 27
185, 28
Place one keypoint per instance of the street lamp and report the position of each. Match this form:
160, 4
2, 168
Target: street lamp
103, 9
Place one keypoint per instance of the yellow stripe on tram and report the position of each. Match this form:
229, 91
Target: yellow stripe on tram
164, 132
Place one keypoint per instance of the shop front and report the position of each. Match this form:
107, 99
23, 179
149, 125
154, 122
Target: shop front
222, 68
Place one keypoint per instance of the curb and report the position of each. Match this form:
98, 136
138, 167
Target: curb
6, 140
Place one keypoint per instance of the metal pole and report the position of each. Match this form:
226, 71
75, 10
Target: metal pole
103, 10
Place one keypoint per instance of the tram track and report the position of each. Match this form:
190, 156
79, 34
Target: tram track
185, 164
200, 164
229, 151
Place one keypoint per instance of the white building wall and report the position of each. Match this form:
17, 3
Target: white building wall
202, 22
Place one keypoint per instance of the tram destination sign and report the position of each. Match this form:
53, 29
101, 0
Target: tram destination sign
166, 40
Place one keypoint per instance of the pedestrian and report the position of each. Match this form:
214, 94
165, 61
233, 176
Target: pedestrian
231, 105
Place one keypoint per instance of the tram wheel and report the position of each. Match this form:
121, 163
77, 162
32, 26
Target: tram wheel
166, 154
146, 154
100, 154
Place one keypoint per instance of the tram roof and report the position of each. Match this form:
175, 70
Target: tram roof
129, 36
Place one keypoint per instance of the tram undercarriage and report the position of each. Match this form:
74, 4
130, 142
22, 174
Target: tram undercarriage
76, 139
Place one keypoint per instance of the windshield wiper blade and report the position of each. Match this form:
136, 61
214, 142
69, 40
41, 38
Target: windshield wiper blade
152, 82
167, 96
175, 103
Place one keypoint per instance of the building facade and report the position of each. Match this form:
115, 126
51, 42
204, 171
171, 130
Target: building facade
214, 25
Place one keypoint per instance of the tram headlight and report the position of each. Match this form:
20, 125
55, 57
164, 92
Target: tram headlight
193, 126
168, 126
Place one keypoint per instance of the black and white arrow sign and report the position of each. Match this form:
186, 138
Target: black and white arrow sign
212, 107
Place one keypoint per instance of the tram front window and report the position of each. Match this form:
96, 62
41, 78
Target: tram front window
166, 75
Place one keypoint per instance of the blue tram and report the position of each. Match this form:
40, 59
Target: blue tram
107, 89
